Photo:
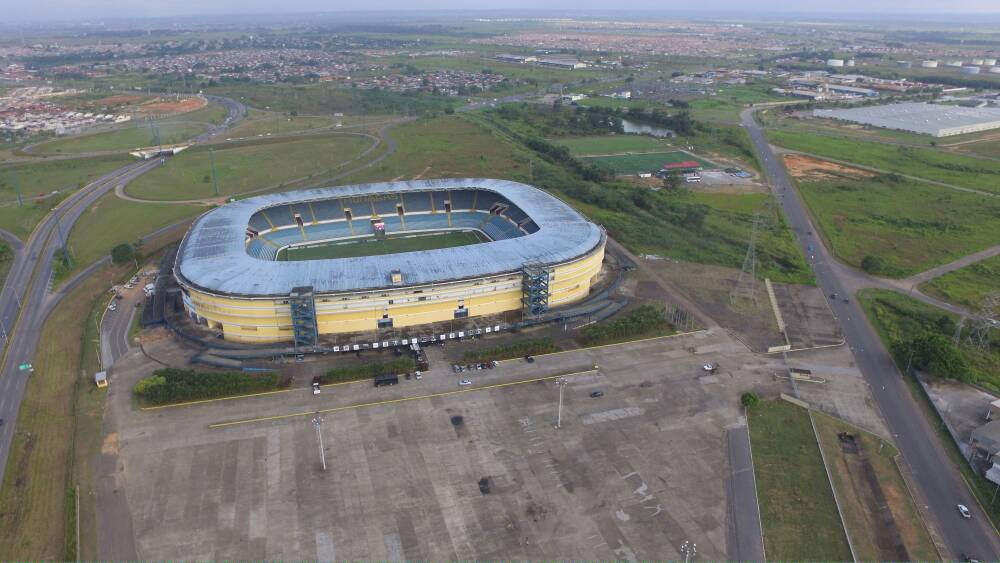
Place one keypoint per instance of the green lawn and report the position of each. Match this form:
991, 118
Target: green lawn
137, 135
392, 244
938, 165
44, 177
650, 162
967, 286
245, 167
853, 491
113, 221
260, 122
725, 106
212, 114
797, 508
911, 225
983, 148
610, 144
897, 317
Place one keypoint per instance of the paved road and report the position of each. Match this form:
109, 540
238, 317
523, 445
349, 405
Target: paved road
939, 482
745, 540
25, 300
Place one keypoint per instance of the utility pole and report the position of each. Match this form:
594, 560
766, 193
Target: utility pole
561, 382
215, 179
317, 422
689, 550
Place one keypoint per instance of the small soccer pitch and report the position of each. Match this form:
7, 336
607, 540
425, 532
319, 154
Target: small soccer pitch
392, 243
634, 163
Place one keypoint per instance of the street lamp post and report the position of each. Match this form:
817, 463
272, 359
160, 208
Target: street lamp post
561, 382
689, 550
317, 422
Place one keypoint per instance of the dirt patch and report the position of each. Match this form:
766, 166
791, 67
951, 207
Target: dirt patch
800, 166
110, 444
166, 105
119, 100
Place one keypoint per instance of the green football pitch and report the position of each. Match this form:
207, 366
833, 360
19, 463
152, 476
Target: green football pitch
372, 246
643, 162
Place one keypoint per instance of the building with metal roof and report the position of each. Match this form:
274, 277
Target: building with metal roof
937, 120
538, 252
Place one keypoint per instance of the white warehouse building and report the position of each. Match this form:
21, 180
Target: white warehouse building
928, 119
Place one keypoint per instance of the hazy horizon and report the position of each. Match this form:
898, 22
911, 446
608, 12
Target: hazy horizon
89, 10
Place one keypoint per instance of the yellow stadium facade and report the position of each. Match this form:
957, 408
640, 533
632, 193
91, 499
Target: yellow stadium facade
268, 320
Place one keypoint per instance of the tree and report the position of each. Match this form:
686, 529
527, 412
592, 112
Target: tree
672, 180
122, 253
749, 399
937, 355
873, 264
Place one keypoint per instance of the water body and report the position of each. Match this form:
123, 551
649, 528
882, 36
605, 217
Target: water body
643, 129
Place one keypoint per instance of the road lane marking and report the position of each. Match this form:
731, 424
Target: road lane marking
394, 401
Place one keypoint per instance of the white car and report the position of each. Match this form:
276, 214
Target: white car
708, 367
964, 511
315, 387
465, 382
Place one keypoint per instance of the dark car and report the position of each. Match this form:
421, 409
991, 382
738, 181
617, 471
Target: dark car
596, 394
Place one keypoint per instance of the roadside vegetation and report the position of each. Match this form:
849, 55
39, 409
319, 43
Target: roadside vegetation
645, 321
171, 385
612, 144
797, 508
905, 226
403, 364
877, 505
520, 349
967, 286
955, 169
261, 122
921, 336
6, 260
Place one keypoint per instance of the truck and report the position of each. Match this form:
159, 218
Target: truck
384, 379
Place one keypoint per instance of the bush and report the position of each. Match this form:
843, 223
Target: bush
937, 355
873, 264
122, 253
171, 385
749, 399
370, 370
516, 350
643, 321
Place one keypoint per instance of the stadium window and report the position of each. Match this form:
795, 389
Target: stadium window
422, 298
391, 301
385, 323
461, 313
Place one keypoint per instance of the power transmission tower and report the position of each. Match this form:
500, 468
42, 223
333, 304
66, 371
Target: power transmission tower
979, 334
746, 284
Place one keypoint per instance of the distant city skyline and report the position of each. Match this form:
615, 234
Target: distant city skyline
52, 10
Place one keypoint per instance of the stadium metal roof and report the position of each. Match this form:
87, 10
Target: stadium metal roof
931, 119
213, 255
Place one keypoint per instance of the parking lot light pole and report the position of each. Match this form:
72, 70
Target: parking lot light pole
317, 422
561, 382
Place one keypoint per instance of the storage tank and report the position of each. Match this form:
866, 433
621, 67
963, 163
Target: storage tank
953, 63
929, 64
995, 69
990, 62
970, 70
835, 62
977, 62
850, 62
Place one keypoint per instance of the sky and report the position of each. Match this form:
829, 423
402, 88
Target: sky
22, 10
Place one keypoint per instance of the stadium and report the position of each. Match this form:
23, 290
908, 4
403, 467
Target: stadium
291, 267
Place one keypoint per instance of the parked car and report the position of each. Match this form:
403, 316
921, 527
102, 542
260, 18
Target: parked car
465, 382
315, 386
596, 394
964, 511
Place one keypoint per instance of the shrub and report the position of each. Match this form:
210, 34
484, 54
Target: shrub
873, 264
171, 385
643, 321
749, 399
515, 350
369, 370
122, 253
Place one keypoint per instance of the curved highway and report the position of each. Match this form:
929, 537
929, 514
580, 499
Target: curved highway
941, 486
25, 300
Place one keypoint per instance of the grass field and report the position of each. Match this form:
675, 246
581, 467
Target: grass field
797, 508
113, 221
938, 165
912, 225
854, 491
65, 176
391, 244
967, 286
898, 317
725, 106
58, 430
649, 162
248, 167
611, 144
260, 122
212, 113
134, 136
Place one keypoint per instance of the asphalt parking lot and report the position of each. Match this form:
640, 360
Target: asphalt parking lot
431, 470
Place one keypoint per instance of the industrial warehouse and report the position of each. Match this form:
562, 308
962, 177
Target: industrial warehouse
290, 267
928, 119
